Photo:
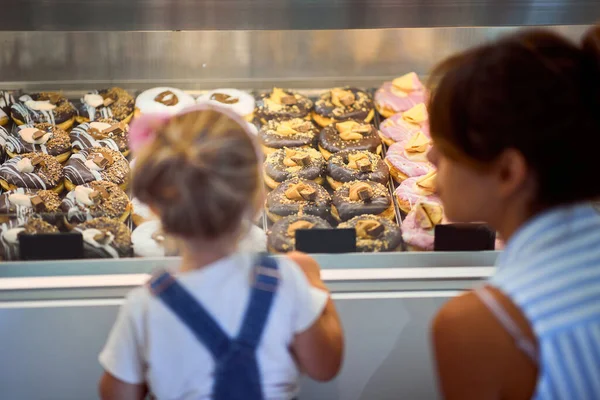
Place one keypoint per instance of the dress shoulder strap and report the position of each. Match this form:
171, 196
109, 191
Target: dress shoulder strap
189, 311
522, 342
264, 287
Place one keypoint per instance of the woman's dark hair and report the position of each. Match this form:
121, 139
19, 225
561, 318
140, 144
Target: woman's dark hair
533, 91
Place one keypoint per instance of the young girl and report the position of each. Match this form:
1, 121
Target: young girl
226, 325
516, 128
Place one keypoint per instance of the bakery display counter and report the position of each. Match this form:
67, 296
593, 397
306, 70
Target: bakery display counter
57, 314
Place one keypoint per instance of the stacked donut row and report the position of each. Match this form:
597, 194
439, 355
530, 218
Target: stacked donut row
406, 133
324, 166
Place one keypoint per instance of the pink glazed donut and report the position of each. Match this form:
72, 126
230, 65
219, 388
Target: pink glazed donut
402, 126
403, 165
412, 191
417, 236
399, 95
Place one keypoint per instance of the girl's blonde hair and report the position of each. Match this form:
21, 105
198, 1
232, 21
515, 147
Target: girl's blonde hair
200, 173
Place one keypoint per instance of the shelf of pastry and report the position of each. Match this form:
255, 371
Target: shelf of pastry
325, 164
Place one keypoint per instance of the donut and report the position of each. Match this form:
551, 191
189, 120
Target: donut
104, 237
414, 190
400, 127
418, 228
149, 240
355, 165
282, 104
342, 104
22, 203
162, 100
282, 235
409, 159
37, 138
349, 135
49, 107
114, 103
302, 162
374, 234
140, 212
6, 101
239, 102
362, 197
399, 95
11, 230
253, 241
295, 132
95, 199
298, 196
96, 164
104, 132
32, 171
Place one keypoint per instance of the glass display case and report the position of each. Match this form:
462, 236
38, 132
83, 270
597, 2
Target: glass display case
333, 90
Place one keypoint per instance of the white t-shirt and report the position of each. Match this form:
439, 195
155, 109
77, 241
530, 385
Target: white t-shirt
149, 343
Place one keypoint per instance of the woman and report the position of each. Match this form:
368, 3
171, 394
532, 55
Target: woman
225, 325
516, 127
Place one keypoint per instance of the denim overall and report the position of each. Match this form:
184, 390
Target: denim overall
236, 374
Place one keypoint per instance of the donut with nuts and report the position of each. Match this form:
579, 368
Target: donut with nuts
95, 199
355, 165
275, 135
298, 196
104, 132
44, 107
104, 237
362, 197
37, 138
282, 235
32, 171
374, 234
282, 104
302, 162
22, 203
349, 135
114, 103
97, 164
342, 104
11, 231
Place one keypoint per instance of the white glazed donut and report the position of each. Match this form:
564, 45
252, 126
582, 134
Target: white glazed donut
144, 244
141, 212
240, 102
146, 102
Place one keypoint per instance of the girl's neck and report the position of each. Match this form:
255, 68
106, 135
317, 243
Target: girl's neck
198, 254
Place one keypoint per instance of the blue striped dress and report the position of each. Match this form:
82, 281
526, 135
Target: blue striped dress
551, 270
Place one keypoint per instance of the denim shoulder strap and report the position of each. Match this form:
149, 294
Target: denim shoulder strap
266, 281
164, 286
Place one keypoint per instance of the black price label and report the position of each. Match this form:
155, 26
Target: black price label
326, 240
51, 246
464, 237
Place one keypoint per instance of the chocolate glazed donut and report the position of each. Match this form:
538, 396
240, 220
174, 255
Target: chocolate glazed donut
105, 238
342, 104
297, 196
284, 164
282, 236
351, 165
115, 103
282, 104
49, 107
349, 135
374, 234
362, 197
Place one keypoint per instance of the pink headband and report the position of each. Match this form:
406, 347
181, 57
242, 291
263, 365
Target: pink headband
143, 128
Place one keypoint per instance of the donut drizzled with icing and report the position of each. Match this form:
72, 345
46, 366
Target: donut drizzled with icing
95, 199
37, 138
49, 107
31, 171
115, 103
21, 203
6, 101
12, 230
97, 164
105, 238
104, 132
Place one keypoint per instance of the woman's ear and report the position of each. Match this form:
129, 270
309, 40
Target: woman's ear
512, 172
